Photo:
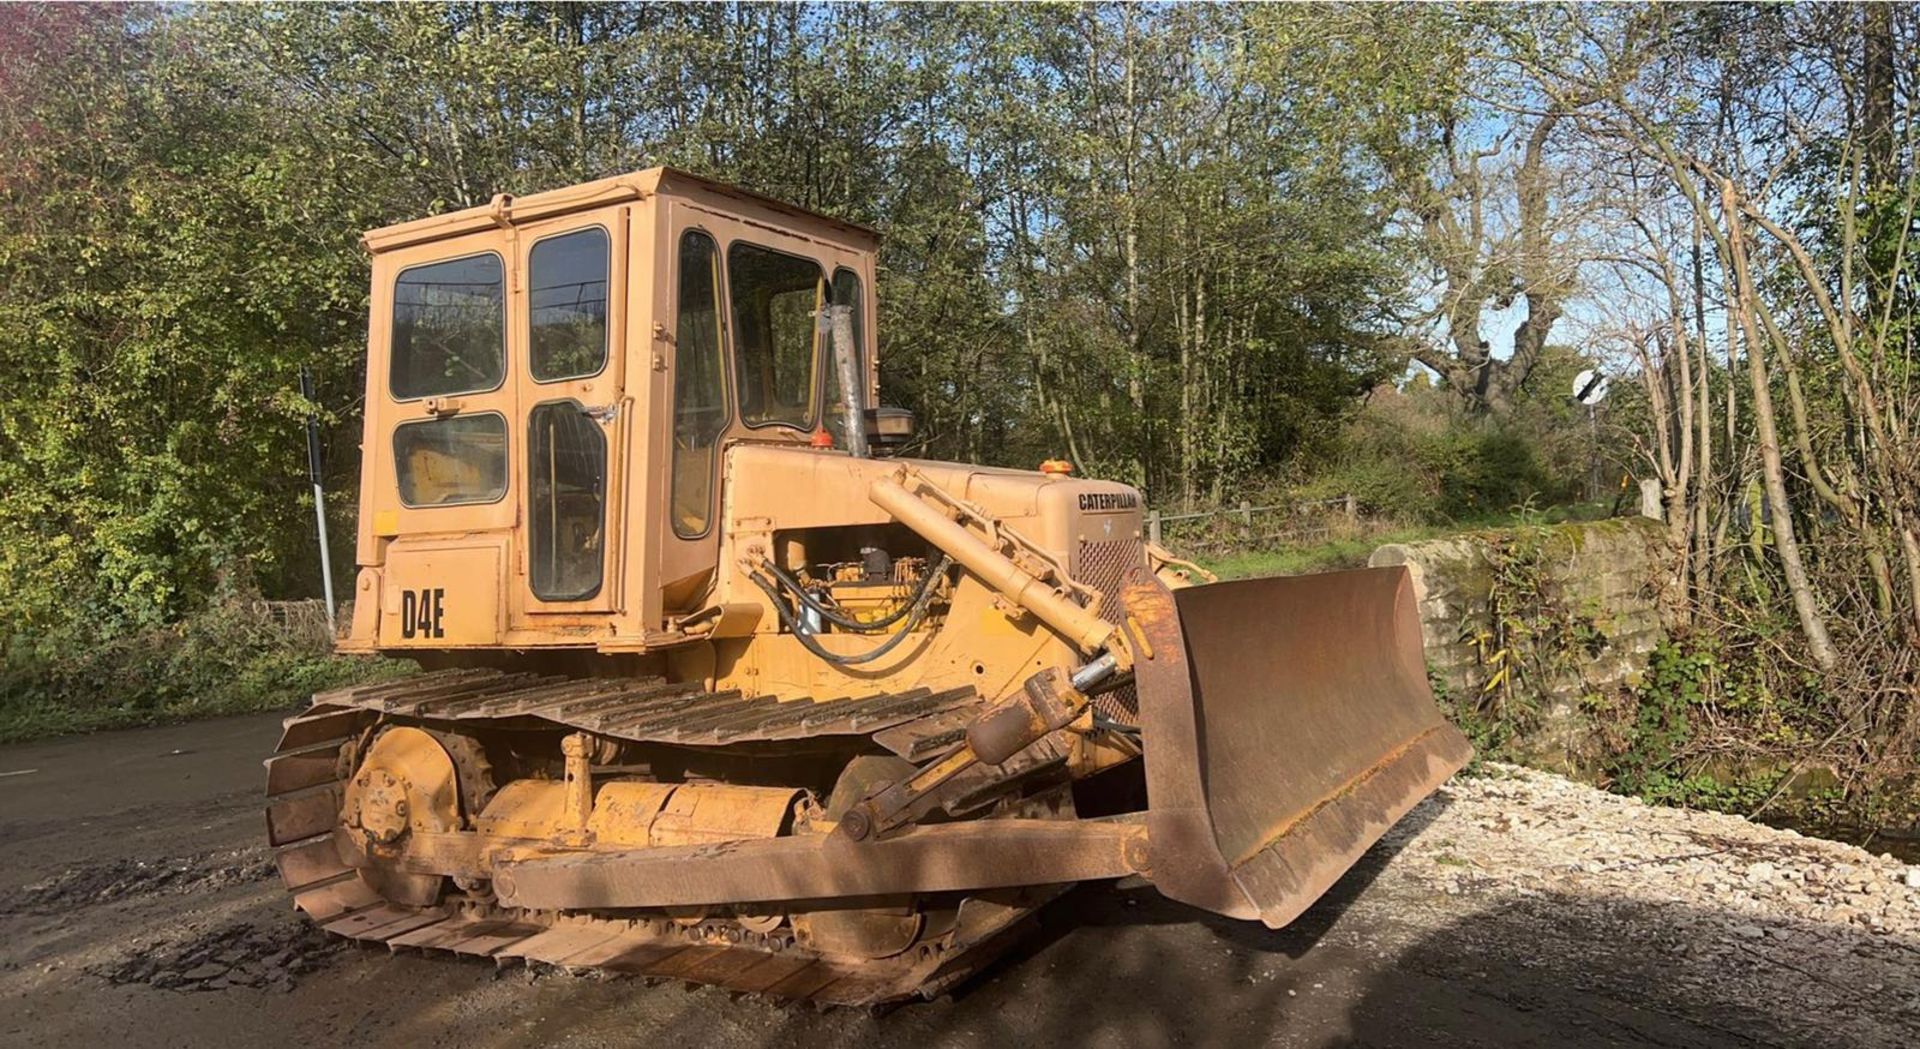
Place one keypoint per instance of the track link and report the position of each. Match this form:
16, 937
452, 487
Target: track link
304, 791
644, 710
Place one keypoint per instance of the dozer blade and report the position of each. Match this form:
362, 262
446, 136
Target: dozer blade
1287, 724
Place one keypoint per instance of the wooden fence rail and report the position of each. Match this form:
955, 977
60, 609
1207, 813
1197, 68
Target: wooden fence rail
1316, 517
303, 619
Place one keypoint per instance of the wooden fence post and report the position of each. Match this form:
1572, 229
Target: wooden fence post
1353, 509
1153, 527
1246, 519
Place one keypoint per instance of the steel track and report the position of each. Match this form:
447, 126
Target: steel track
304, 790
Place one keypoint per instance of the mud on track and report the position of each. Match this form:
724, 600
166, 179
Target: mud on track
133, 911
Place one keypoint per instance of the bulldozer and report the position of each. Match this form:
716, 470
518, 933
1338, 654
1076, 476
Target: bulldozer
718, 685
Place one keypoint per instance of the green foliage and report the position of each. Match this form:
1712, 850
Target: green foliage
1481, 470
1483, 728
1076, 259
1529, 640
225, 659
1737, 794
159, 299
1674, 688
1409, 455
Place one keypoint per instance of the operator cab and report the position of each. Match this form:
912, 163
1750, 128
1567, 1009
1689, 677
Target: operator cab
551, 383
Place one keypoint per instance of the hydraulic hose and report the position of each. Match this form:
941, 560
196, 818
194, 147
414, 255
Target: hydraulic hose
917, 611
847, 623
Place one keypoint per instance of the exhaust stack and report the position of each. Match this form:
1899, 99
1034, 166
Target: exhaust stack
846, 358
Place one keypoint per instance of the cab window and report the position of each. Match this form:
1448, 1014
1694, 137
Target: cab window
699, 384
567, 492
448, 462
449, 328
567, 304
776, 298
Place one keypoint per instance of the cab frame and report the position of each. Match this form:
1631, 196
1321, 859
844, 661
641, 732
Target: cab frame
456, 575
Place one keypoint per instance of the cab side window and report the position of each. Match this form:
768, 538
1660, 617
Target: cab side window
776, 298
699, 385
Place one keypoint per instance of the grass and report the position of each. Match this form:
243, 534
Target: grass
28, 714
221, 661
1325, 556
1351, 551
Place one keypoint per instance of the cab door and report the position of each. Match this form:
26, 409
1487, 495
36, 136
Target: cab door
571, 321
441, 439
691, 301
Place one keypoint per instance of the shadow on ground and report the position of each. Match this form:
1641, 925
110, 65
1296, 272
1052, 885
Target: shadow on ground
1383, 960
1367, 966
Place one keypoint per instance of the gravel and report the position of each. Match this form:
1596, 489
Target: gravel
1585, 884
1522, 832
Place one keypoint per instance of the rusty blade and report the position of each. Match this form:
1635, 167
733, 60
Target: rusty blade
1288, 724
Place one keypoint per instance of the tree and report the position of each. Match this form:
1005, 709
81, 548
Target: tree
1105, 235
1466, 159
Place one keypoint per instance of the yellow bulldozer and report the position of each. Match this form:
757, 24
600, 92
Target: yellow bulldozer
718, 687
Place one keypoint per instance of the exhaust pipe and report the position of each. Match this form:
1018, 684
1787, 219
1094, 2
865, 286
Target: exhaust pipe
846, 358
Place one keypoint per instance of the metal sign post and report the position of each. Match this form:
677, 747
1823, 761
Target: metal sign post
319, 494
1590, 388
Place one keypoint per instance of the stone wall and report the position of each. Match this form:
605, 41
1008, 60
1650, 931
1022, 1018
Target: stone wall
1594, 591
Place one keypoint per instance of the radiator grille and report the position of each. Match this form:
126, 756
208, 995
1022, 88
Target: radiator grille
1100, 566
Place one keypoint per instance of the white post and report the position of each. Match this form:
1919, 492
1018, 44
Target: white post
1650, 492
326, 556
319, 498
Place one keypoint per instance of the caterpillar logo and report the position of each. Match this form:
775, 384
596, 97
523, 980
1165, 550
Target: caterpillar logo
1096, 502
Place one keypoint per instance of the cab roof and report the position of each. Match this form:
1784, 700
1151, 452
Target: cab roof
506, 209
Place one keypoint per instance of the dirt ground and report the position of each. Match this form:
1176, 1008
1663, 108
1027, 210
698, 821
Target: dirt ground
139, 908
